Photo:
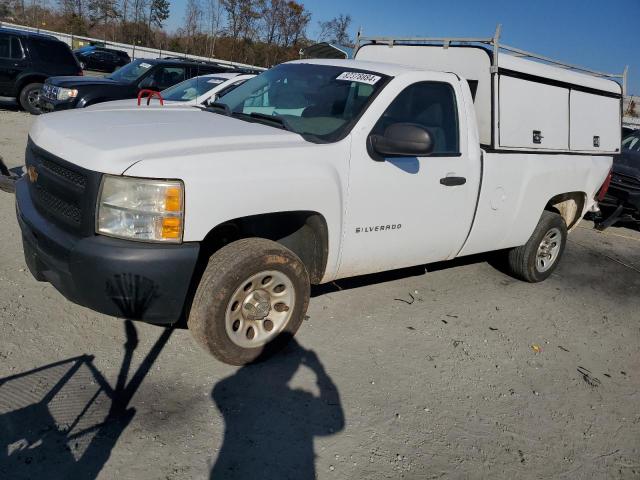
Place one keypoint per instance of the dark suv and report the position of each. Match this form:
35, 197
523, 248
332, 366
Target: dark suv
101, 59
622, 201
27, 60
63, 93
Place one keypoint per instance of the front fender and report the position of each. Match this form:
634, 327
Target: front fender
222, 186
27, 78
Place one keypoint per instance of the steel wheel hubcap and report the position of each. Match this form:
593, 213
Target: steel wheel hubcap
259, 309
548, 250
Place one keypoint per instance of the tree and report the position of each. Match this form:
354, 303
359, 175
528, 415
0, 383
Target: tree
295, 19
158, 12
103, 11
271, 12
192, 21
336, 30
242, 16
214, 16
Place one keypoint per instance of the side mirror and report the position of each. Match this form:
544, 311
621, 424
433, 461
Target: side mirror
401, 140
148, 83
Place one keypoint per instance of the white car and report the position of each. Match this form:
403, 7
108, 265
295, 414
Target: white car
200, 90
312, 171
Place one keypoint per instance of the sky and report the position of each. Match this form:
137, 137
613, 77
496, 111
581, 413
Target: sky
603, 35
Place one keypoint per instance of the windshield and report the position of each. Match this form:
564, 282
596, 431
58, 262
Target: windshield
192, 88
130, 72
319, 102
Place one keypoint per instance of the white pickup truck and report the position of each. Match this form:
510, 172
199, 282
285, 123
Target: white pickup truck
313, 171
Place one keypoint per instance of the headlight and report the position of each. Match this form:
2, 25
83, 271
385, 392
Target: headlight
67, 93
141, 209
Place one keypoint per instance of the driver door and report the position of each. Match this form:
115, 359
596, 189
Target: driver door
405, 211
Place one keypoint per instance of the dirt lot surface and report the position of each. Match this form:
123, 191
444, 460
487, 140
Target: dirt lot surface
461, 372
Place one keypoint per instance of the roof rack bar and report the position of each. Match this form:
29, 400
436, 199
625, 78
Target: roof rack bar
524, 53
424, 39
494, 42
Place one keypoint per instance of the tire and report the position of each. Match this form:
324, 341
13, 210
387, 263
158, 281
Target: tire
29, 98
239, 312
536, 260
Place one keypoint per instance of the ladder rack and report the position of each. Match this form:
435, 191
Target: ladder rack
496, 46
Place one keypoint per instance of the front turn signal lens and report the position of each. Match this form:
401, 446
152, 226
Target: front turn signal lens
173, 199
171, 228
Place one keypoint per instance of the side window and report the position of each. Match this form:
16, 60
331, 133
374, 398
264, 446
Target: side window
16, 48
5, 46
431, 105
166, 77
10, 47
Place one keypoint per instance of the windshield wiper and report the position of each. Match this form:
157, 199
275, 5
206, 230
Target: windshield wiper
219, 107
277, 119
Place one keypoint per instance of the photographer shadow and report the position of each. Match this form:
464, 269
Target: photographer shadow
62, 420
269, 426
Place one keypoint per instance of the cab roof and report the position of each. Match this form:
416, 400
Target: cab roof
26, 33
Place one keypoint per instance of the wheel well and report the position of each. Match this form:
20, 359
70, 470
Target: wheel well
569, 205
305, 233
27, 80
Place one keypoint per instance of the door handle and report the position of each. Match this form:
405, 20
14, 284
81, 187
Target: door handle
453, 181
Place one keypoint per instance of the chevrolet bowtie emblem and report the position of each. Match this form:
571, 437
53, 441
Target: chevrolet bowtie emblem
32, 173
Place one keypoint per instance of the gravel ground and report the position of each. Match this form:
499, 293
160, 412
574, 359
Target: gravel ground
480, 376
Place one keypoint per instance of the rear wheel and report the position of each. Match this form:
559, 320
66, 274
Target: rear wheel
536, 260
251, 300
30, 98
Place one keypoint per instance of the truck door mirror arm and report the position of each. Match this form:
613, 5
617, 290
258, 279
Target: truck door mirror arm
400, 140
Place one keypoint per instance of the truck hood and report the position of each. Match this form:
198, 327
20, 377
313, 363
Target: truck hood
110, 141
81, 81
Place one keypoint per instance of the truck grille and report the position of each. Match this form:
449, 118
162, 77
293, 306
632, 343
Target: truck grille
49, 91
62, 192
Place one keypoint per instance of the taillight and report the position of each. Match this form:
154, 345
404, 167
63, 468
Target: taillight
81, 73
605, 187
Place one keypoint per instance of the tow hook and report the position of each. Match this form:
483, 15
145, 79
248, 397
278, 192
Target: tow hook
8, 178
611, 219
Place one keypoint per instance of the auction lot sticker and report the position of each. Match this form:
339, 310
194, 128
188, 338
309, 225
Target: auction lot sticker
367, 78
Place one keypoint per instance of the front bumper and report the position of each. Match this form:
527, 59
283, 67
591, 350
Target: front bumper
121, 278
48, 105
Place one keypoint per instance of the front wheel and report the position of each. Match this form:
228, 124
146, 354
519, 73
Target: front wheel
536, 260
30, 98
251, 300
